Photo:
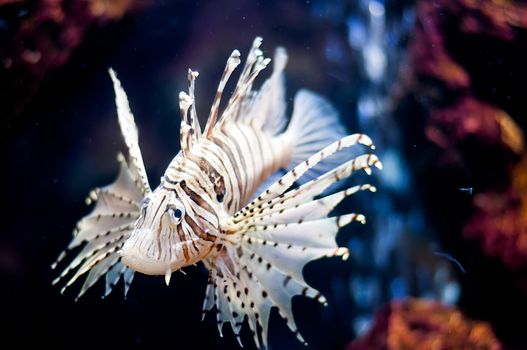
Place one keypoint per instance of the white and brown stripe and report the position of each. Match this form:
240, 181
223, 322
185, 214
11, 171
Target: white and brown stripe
228, 169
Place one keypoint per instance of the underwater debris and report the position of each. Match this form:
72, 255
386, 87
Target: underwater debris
420, 324
451, 258
468, 190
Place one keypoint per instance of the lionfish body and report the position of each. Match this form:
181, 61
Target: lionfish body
226, 200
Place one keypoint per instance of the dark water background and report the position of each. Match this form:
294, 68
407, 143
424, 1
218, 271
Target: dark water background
63, 141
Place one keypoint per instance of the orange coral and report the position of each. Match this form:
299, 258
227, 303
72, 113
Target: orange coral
504, 15
111, 9
417, 324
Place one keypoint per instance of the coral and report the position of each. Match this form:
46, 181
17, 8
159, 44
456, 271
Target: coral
477, 139
38, 37
500, 215
467, 68
429, 54
427, 51
471, 118
419, 324
42, 36
494, 17
110, 9
500, 220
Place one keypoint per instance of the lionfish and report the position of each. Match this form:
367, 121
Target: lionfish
228, 199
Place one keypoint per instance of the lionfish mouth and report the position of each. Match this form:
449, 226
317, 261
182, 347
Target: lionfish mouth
133, 255
147, 255
140, 263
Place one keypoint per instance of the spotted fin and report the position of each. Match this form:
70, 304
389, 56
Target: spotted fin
264, 108
268, 106
278, 234
130, 135
269, 181
103, 232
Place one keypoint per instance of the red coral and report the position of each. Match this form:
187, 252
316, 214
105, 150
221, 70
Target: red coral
428, 54
422, 325
43, 35
38, 37
500, 220
427, 51
469, 117
474, 135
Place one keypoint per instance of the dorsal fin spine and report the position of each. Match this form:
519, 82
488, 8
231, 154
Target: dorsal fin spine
232, 63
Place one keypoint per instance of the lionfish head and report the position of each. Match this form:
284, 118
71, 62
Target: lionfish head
164, 237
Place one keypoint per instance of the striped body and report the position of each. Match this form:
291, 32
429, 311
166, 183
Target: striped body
230, 166
226, 200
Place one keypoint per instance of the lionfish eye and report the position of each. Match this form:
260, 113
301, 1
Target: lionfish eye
176, 214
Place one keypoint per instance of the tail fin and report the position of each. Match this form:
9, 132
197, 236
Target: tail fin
314, 125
